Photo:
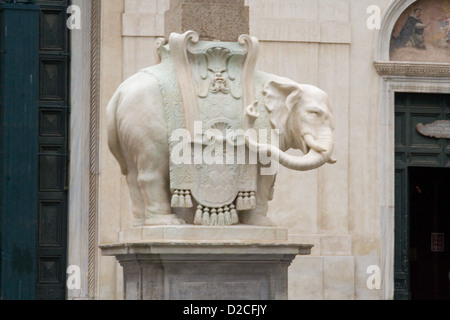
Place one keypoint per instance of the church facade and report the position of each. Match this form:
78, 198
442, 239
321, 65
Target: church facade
377, 218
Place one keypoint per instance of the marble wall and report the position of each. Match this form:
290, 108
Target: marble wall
337, 208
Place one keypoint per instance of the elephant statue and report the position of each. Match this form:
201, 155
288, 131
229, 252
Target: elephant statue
138, 129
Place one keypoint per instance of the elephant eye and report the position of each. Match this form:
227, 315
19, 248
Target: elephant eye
315, 112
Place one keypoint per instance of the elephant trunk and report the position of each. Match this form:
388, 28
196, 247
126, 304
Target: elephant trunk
319, 153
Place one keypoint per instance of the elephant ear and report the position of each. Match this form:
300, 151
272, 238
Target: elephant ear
279, 99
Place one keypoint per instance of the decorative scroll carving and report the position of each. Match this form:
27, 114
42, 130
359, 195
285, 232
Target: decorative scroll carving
439, 129
178, 43
211, 76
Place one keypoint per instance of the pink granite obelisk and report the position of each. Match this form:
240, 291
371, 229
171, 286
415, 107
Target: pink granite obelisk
223, 20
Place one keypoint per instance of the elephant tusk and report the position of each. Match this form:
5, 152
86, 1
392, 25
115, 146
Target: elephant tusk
332, 161
311, 160
311, 142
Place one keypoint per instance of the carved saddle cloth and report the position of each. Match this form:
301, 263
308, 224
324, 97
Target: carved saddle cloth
210, 166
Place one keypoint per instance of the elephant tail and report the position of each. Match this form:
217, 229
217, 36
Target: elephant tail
112, 132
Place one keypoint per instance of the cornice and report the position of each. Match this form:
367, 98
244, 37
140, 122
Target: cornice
412, 69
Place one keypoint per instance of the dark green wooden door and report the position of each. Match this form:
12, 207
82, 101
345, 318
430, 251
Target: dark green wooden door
19, 149
53, 149
35, 206
414, 150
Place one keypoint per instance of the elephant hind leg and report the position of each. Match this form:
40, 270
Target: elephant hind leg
137, 201
156, 195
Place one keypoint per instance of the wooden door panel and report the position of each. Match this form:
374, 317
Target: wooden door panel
53, 149
413, 150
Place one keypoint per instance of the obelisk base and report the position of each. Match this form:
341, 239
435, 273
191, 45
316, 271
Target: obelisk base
206, 270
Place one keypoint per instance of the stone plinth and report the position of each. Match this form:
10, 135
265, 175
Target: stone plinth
223, 20
239, 232
230, 267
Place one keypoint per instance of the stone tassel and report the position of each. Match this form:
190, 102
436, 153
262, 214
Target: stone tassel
181, 202
175, 199
227, 216
221, 218
199, 216
240, 201
224, 216
247, 204
213, 217
206, 217
234, 215
253, 200
188, 199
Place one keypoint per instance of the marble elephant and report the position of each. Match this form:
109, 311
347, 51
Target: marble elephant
137, 137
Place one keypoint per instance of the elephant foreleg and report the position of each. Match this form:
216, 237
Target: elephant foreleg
258, 216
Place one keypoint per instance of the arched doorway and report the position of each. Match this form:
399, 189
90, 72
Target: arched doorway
413, 91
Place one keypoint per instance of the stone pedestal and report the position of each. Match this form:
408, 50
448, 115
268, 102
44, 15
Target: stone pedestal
233, 265
223, 20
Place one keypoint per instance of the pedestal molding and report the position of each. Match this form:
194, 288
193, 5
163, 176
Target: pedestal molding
205, 247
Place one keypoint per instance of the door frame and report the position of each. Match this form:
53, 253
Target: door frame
389, 86
82, 246
407, 157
